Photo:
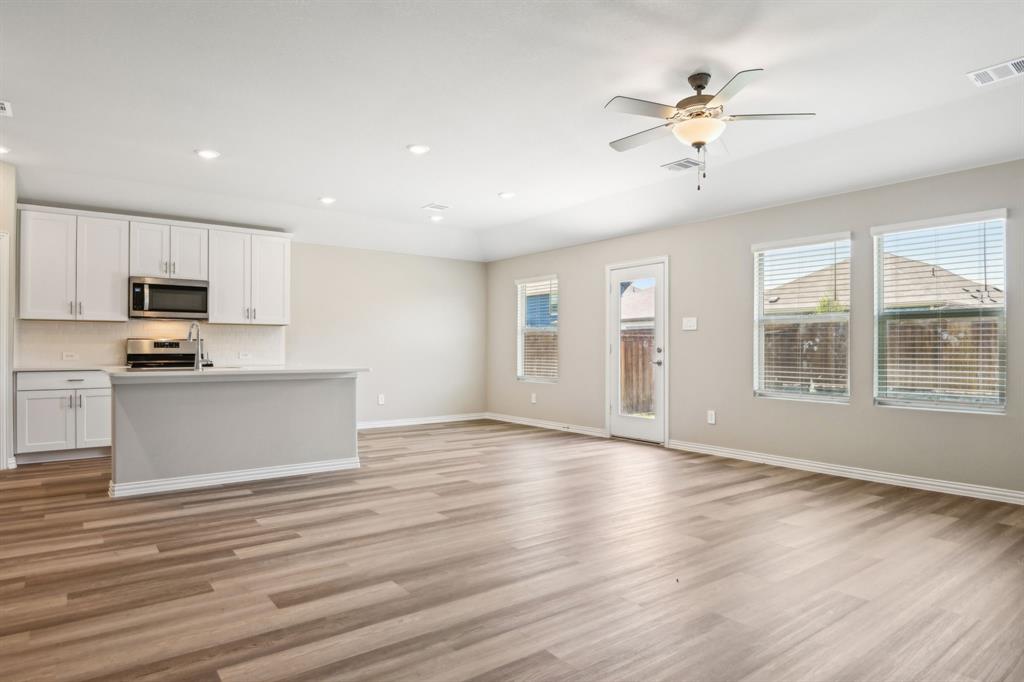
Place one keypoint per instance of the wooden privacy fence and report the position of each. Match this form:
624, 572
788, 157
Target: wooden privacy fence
636, 350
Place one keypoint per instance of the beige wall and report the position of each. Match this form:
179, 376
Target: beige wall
417, 322
711, 278
8, 220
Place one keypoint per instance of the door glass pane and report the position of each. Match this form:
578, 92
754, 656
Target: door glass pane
637, 352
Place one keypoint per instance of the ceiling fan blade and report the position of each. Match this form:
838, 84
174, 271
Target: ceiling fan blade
765, 117
649, 135
738, 82
640, 107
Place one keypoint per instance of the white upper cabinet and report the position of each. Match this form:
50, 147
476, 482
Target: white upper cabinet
271, 279
150, 249
47, 266
102, 280
171, 251
189, 252
77, 266
230, 267
73, 267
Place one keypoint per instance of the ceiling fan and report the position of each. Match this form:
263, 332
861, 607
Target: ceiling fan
695, 120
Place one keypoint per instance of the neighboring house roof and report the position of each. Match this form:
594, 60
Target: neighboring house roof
909, 284
637, 303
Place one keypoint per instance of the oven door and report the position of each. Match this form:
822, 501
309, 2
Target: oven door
155, 297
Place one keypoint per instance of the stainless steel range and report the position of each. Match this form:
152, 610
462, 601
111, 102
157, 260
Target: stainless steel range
163, 354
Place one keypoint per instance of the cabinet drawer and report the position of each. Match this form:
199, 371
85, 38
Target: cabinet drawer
60, 380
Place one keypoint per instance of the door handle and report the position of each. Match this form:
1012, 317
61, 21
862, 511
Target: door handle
659, 363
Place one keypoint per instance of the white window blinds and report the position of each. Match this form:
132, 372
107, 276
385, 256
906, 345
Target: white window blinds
940, 313
537, 329
802, 319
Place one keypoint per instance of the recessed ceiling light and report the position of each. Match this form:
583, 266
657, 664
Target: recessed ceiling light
507, 195
436, 218
4, 150
327, 200
208, 154
418, 149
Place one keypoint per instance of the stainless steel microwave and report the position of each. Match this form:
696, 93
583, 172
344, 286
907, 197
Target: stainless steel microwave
181, 299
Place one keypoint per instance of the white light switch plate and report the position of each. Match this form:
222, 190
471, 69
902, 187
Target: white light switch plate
68, 355
241, 356
689, 324
711, 417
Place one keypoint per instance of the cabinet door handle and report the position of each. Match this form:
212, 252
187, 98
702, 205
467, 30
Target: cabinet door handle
71, 401
247, 313
79, 307
174, 267
79, 399
254, 314
71, 307
76, 379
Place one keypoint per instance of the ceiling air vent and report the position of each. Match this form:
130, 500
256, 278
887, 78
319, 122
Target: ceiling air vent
6, 110
682, 164
434, 207
994, 74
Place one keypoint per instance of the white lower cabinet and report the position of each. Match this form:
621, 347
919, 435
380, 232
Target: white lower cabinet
46, 421
53, 417
92, 417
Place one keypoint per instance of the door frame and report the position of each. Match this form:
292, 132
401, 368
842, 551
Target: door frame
609, 377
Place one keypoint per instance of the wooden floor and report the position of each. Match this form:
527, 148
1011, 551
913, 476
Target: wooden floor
492, 551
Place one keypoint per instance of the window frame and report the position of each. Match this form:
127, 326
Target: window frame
521, 328
759, 320
878, 232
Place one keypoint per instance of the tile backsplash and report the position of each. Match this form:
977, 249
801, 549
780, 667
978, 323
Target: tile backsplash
41, 343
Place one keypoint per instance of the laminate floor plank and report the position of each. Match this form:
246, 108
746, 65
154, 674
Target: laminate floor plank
489, 551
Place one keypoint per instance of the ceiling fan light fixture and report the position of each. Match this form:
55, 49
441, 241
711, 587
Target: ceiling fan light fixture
699, 130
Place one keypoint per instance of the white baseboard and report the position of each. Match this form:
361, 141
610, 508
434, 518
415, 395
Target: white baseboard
544, 424
243, 475
416, 421
62, 455
904, 480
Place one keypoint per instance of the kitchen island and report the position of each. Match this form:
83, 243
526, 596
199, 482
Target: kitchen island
175, 429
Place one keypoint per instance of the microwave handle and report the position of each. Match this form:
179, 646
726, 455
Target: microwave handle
145, 297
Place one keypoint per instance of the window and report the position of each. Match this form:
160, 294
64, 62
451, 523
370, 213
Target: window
940, 313
537, 329
802, 318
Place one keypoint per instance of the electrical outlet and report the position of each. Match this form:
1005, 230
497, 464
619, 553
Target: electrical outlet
68, 355
689, 324
242, 355
711, 417
533, 398
380, 398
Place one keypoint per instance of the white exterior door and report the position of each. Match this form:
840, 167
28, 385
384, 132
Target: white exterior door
47, 266
189, 252
46, 421
638, 357
92, 417
102, 269
149, 247
271, 279
230, 277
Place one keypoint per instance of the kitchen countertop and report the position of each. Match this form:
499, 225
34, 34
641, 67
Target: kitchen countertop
120, 374
253, 373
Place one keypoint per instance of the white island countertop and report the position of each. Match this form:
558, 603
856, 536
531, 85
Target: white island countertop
123, 375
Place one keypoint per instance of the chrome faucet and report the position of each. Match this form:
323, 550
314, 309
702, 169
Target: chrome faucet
194, 328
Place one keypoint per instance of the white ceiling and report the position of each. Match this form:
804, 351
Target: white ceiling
313, 99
